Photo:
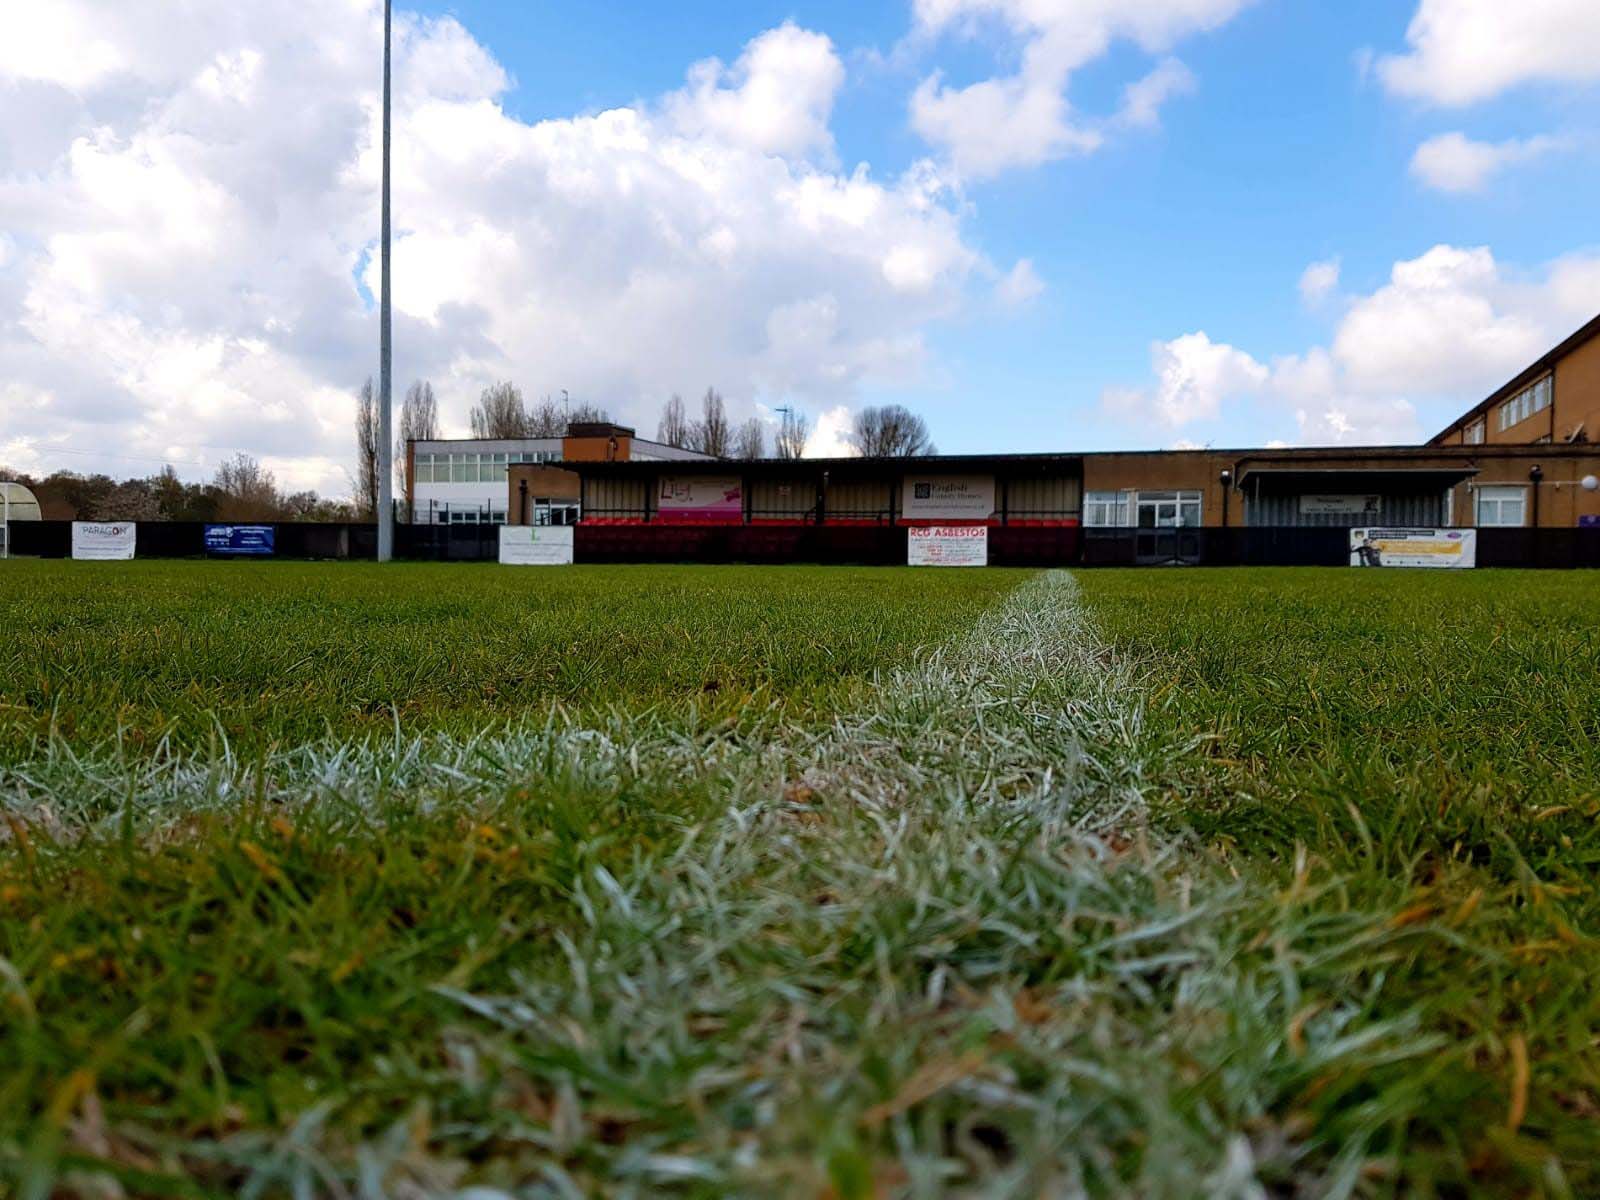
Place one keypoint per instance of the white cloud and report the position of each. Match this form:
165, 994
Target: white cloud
184, 235
1194, 376
1142, 100
830, 436
776, 99
1464, 51
1025, 118
1019, 285
1453, 162
1448, 327
1319, 281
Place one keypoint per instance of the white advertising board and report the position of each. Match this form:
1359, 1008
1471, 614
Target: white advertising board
701, 497
1310, 505
947, 497
105, 540
536, 545
1413, 547
947, 546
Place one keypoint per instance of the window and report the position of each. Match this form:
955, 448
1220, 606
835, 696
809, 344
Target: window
1474, 433
1532, 399
1105, 509
423, 471
1168, 510
458, 468
1501, 505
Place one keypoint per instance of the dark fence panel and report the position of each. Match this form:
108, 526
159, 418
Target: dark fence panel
41, 539
866, 544
1020, 546
885, 545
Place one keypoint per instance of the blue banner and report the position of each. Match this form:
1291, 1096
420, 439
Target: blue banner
239, 539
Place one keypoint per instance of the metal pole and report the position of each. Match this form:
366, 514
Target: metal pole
385, 339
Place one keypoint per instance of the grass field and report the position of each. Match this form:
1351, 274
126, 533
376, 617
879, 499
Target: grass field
280, 653
711, 881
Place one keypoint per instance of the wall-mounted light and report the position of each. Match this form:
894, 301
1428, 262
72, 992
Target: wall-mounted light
1227, 477
1536, 473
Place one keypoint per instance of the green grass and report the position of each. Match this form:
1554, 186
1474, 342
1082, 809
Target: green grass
1430, 745
1224, 883
279, 653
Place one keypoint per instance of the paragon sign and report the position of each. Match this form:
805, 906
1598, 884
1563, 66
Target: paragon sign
947, 546
103, 540
1413, 547
536, 545
947, 497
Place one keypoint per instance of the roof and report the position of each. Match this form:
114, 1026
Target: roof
1523, 378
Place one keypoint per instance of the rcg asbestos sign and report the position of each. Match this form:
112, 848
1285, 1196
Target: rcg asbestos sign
947, 546
947, 497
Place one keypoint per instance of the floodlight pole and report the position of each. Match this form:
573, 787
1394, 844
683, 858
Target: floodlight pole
385, 338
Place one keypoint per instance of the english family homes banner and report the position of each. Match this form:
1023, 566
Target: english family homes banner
947, 497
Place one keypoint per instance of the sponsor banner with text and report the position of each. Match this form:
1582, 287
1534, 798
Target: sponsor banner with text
244, 540
536, 545
947, 546
947, 497
1413, 547
103, 540
701, 497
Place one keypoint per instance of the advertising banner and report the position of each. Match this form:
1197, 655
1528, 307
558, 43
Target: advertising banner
254, 540
947, 497
701, 497
104, 540
536, 545
1338, 505
947, 546
1413, 547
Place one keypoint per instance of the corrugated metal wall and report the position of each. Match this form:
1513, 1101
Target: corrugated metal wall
1424, 511
860, 500
1044, 499
782, 499
614, 497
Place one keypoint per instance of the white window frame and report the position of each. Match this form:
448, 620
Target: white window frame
1534, 398
1490, 503
1180, 500
1106, 509
1475, 433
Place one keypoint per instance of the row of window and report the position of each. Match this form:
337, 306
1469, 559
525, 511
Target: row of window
476, 468
1532, 399
544, 512
1146, 510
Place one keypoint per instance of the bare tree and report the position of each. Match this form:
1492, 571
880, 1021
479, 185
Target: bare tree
674, 427
711, 434
419, 421
499, 413
792, 433
546, 420
750, 441
892, 431
365, 480
586, 414
247, 491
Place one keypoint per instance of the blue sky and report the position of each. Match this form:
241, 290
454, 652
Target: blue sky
630, 200
1288, 151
